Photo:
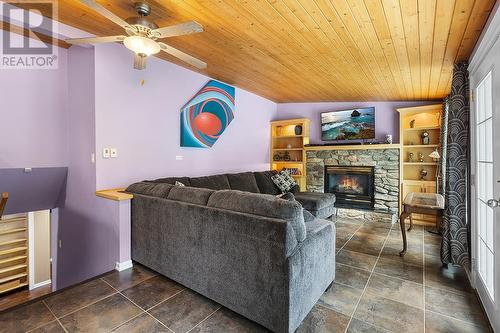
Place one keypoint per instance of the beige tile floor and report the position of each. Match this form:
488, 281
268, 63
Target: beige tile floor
374, 291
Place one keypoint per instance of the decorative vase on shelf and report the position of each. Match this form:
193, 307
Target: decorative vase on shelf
425, 138
388, 139
410, 157
412, 123
279, 130
298, 130
421, 157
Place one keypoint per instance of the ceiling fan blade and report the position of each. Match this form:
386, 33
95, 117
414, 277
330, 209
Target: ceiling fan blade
186, 28
139, 62
106, 13
95, 40
183, 56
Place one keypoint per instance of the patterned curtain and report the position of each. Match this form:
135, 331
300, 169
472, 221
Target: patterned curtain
455, 227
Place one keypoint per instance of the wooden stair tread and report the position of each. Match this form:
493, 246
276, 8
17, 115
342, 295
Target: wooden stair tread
13, 250
14, 219
13, 277
15, 287
12, 231
6, 260
13, 241
12, 268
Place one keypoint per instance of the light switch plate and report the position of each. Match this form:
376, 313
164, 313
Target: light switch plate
113, 152
179, 157
105, 152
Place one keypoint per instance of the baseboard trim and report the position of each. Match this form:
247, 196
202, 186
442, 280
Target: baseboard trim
121, 266
41, 284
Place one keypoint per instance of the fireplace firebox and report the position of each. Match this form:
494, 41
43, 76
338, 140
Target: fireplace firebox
352, 185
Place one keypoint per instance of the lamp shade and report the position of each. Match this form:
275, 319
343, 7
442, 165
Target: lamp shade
435, 154
141, 45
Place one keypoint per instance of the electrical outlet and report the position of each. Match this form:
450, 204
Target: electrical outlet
106, 152
113, 152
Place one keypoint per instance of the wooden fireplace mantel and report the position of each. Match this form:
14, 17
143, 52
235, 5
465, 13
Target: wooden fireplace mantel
355, 147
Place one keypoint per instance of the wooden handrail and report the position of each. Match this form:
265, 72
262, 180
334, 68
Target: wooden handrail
3, 202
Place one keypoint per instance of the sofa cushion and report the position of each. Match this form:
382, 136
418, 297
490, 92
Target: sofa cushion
160, 190
244, 181
197, 196
172, 180
261, 205
265, 183
314, 200
216, 182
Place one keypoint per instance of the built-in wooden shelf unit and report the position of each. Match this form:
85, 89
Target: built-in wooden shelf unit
425, 119
285, 142
13, 250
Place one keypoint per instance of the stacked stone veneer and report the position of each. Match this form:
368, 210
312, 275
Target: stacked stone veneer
385, 161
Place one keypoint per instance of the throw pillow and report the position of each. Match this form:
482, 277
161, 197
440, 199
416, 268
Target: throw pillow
284, 181
177, 183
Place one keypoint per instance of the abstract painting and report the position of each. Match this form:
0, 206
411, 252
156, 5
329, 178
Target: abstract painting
207, 115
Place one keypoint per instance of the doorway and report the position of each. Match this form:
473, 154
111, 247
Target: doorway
485, 117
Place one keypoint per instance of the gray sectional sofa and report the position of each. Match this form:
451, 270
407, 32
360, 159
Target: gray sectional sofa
321, 205
251, 252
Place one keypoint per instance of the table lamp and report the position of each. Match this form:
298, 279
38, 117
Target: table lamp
436, 157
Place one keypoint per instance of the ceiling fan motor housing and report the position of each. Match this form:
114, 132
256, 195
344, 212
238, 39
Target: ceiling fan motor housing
142, 8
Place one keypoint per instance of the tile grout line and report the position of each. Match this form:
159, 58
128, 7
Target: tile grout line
210, 315
166, 299
85, 306
368, 280
378, 273
457, 319
143, 310
130, 319
330, 309
64, 328
55, 319
347, 241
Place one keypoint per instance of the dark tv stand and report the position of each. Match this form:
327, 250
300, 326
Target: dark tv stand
335, 144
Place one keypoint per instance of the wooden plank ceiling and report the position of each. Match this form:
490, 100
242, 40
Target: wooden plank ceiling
322, 50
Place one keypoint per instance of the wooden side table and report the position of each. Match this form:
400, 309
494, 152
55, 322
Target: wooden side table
420, 203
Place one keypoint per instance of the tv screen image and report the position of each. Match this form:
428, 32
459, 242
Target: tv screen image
351, 124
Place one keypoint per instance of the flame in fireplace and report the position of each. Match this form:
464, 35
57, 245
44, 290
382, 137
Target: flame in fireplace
349, 184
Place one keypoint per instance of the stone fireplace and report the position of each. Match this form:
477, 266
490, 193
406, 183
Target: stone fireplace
382, 160
352, 185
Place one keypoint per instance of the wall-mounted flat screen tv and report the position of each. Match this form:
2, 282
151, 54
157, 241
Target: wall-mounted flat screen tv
351, 124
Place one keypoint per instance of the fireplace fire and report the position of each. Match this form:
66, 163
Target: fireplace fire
352, 185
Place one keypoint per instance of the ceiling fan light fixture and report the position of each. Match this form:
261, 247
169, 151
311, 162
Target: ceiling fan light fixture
141, 45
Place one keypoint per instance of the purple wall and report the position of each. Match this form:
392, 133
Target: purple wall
33, 116
85, 223
39, 189
386, 116
143, 123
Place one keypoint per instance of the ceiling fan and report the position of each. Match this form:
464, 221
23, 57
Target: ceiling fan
143, 35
